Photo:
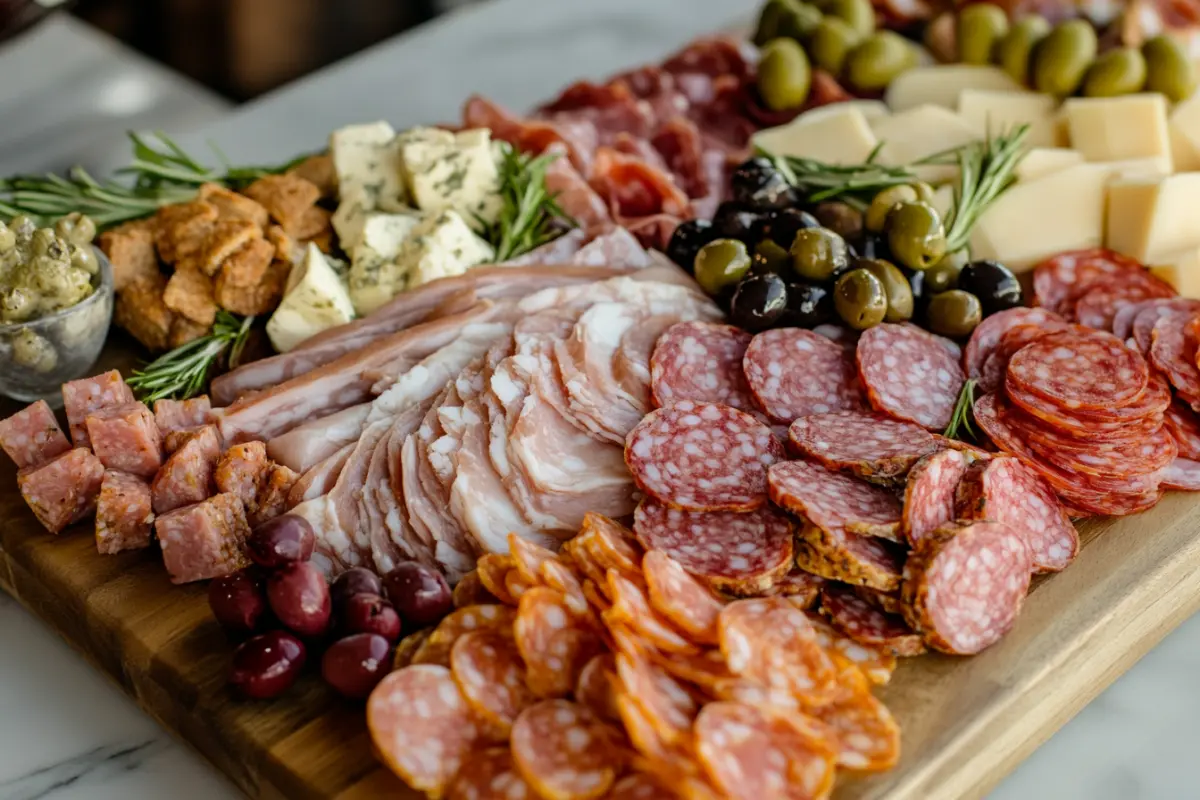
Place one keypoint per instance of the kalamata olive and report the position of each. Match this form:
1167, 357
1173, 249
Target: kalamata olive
238, 601
720, 264
370, 613
843, 219
759, 302
770, 258
954, 313
818, 254
860, 299
876, 215
299, 596
915, 234
280, 541
916, 284
808, 305
267, 665
993, 283
758, 184
734, 221
781, 226
895, 286
420, 594
687, 240
355, 580
354, 665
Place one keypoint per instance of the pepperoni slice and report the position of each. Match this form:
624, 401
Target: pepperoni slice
610, 544
666, 704
875, 664
1119, 459
986, 336
491, 676
657, 756
1182, 474
421, 726
701, 361
868, 738
1147, 318
1079, 370
794, 373
1122, 324
964, 585
1121, 422
739, 553
638, 786
929, 494
1173, 350
516, 584
559, 576
489, 775
554, 643
846, 557
874, 448
991, 378
834, 502
702, 457
436, 649
632, 607
705, 669
681, 598
1058, 281
492, 568
1098, 306
528, 558
470, 591
866, 624
771, 642
910, 374
1183, 426
594, 688
566, 752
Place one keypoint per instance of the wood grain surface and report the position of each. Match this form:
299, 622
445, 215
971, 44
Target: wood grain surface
966, 721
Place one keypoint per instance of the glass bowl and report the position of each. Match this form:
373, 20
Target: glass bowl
39, 356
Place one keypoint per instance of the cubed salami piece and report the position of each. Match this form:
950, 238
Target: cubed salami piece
124, 513
271, 499
89, 395
64, 489
204, 540
187, 477
31, 437
181, 415
176, 439
126, 438
241, 468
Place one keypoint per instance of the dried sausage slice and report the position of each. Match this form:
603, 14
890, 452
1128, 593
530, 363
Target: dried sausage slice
876, 664
681, 598
554, 643
799, 587
986, 336
437, 648
632, 608
1060, 280
846, 557
701, 361
929, 495
595, 687
491, 676
1182, 474
489, 775
1151, 312
866, 624
771, 642
867, 735
910, 374
1183, 426
666, 705
834, 502
793, 373
1080, 370
1173, 350
874, 448
565, 751
1098, 306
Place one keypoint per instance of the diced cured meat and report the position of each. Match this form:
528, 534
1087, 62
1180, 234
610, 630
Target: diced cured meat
867, 735
437, 648
866, 624
631, 607
910, 374
181, 415
685, 601
667, 705
31, 437
986, 336
1151, 312
964, 585
799, 587
1059, 281
1182, 474
204, 540
240, 469
739, 553
490, 775
701, 361
125, 437
771, 642
124, 516
554, 642
88, 395
874, 448
421, 726
702, 457
491, 676
835, 502
1080, 369
1098, 306
271, 499
794, 373
595, 687
847, 557
930, 492
1173, 350
1181, 422
565, 751
187, 476
64, 490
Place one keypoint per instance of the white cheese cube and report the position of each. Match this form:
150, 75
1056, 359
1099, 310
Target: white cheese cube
1043, 160
368, 165
941, 85
869, 108
920, 132
838, 136
443, 245
1182, 271
455, 172
315, 300
1154, 167
1151, 219
1032, 221
1184, 125
375, 278
1119, 128
993, 112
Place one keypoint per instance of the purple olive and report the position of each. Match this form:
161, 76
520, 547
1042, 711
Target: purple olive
370, 613
299, 596
267, 665
356, 580
239, 602
354, 665
283, 540
419, 593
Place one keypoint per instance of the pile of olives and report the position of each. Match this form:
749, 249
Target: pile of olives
771, 263
837, 36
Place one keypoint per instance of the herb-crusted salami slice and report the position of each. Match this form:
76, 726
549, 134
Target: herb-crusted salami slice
866, 624
565, 751
800, 587
1080, 369
846, 557
834, 502
702, 457
929, 494
910, 374
793, 373
986, 336
874, 448
700, 361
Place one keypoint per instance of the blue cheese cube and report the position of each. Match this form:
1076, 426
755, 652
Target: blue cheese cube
452, 172
375, 277
443, 245
367, 162
315, 299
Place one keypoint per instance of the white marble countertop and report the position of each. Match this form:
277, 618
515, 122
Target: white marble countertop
66, 734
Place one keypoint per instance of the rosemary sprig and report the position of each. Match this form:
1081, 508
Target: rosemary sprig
961, 421
530, 215
853, 184
184, 371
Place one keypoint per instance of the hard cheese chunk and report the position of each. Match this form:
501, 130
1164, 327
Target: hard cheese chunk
840, 135
315, 301
375, 277
367, 163
447, 171
1184, 132
441, 246
994, 112
919, 132
1151, 219
941, 85
1182, 271
1032, 221
1119, 128
1043, 160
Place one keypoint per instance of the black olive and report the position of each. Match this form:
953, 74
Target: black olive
782, 225
993, 283
916, 282
735, 221
758, 184
759, 302
687, 240
808, 305
873, 245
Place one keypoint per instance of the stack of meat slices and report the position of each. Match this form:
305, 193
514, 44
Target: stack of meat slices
609, 671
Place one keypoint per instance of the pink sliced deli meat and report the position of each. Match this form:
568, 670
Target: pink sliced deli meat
63, 490
124, 513
31, 437
204, 540
89, 395
187, 476
126, 438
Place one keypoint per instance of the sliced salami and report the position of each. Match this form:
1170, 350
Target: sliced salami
1183, 426
1173, 350
834, 502
771, 642
631, 607
558, 575
794, 373
491, 676
986, 336
31, 437
528, 557
1182, 474
991, 378
1128, 458
1105, 423
964, 585
1147, 318
638, 786
490, 774
799, 587
702, 362
492, 569
436, 649
667, 705
554, 643
875, 664
682, 599
702, 457
884, 601
1080, 370
929, 494
1059, 281
470, 591
565, 751
595, 688
866, 624
909, 374
874, 448
1122, 324
867, 735
408, 647
1098, 306
705, 669
846, 557
739, 553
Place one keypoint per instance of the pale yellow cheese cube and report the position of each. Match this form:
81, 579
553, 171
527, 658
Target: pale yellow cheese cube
1182, 271
1043, 160
1154, 167
837, 137
1184, 124
994, 112
1119, 128
1152, 218
941, 84
921, 132
1032, 221
869, 108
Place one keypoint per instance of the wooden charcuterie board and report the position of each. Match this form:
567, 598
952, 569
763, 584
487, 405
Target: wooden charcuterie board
966, 721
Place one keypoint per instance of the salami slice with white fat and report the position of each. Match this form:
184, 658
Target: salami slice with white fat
1182, 474
1098, 306
554, 643
491, 676
489, 775
1183, 426
867, 624
1151, 312
1173, 350
847, 557
700, 361
681, 598
771, 642
986, 335
910, 374
1080, 369
565, 751
793, 373
834, 502
929, 494
702, 457
874, 448
1059, 281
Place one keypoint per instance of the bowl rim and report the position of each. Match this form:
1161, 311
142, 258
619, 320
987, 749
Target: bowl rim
105, 288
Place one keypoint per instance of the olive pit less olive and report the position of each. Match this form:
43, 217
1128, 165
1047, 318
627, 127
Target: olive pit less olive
784, 75
875, 217
1014, 52
769, 20
895, 287
1117, 72
800, 21
819, 254
842, 218
720, 264
1169, 71
1062, 58
915, 235
943, 275
830, 43
954, 313
878, 59
980, 27
860, 300
858, 14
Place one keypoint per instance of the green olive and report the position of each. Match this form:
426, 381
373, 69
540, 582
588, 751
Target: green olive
769, 20
954, 313
943, 275
980, 26
895, 286
842, 218
784, 75
858, 14
800, 21
882, 56
1117, 72
1013, 53
860, 299
915, 235
925, 192
830, 43
1063, 57
770, 257
1168, 68
819, 254
876, 213
720, 264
